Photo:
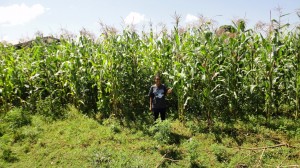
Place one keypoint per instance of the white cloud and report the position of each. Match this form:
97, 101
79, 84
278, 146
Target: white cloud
19, 14
8, 39
191, 18
134, 18
4, 38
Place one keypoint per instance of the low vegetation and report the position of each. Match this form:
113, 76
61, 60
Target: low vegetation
77, 140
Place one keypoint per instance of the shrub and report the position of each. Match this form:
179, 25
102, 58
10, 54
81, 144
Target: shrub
161, 131
114, 124
16, 118
193, 154
221, 153
8, 156
50, 109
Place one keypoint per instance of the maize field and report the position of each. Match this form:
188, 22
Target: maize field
212, 75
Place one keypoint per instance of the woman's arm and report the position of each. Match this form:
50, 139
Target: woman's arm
150, 103
150, 94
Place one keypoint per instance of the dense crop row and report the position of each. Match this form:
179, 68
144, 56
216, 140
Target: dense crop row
227, 74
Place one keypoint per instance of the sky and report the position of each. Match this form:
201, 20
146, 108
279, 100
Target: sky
22, 19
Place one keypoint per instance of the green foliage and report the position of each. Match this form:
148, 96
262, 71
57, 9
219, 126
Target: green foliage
212, 75
161, 131
79, 141
113, 124
196, 126
8, 156
50, 109
221, 153
15, 119
111, 158
193, 152
102, 158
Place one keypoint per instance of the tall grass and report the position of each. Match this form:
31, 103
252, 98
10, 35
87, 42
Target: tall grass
213, 75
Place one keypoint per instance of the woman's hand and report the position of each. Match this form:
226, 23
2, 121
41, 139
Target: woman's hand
170, 91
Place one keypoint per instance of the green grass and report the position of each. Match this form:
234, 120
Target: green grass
80, 141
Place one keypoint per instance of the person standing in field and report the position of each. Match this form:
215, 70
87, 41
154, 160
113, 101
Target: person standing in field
157, 94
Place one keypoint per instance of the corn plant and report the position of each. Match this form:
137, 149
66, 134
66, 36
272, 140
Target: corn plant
229, 75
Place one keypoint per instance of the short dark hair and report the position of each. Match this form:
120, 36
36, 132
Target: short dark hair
157, 76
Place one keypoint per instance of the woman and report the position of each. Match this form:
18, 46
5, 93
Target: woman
157, 94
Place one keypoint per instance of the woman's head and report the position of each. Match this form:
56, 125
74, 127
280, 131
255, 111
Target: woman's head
157, 79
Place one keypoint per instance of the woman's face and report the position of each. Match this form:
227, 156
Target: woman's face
157, 81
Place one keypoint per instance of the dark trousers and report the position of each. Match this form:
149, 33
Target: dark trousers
159, 111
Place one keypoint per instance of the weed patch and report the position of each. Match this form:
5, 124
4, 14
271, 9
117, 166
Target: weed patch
80, 141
